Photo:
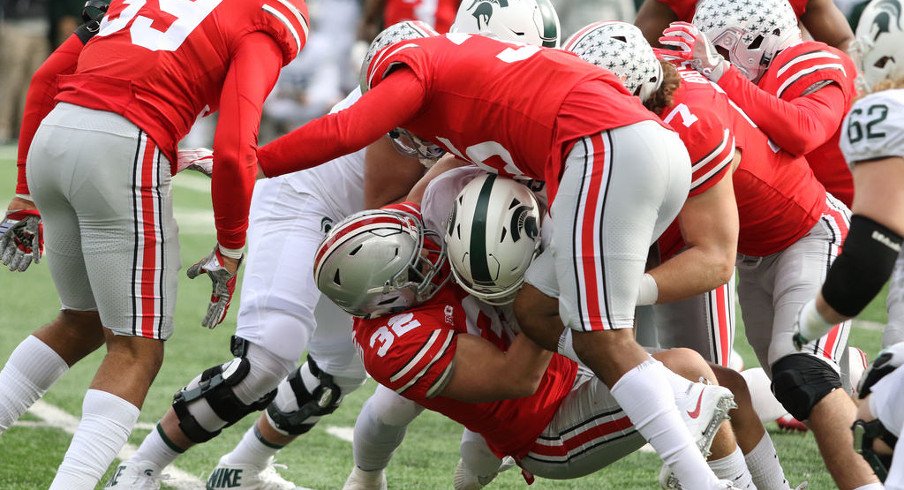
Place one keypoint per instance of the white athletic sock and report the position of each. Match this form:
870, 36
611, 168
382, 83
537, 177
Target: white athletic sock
30, 371
157, 449
252, 450
733, 468
106, 423
765, 469
655, 415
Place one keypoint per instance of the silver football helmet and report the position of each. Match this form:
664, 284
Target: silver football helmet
752, 32
532, 22
620, 48
404, 142
879, 43
492, 236
378, 262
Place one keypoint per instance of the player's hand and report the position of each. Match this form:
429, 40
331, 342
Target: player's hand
197, 159
889, 359
693, 45
222, 272
21, 235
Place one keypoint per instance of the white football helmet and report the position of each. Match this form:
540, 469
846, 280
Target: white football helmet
377, 262
404, 142
492, 236
880, 42
528, 21
620, 48
750, 32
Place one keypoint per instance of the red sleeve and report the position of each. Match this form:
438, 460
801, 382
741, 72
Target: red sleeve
385, 107
410, 353
252, 73
798, 126
709, 142
39, 99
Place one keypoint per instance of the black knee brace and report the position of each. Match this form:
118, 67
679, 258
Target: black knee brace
863, 267
216, 388
322, 400
800, 381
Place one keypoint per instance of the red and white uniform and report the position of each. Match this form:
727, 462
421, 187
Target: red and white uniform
569, 427
799, 103
437, 13
101, 162
685, 9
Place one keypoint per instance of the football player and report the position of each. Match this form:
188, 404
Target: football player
99, 170
796, 91
822, 19
547, 116
873, 144
415, 339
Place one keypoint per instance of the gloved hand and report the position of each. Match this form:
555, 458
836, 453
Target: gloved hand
197, 159
21, 235
694, 46
222, 272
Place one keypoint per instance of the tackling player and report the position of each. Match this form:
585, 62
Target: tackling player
822, 19
873, 144
797, 92
99, 169
547, 116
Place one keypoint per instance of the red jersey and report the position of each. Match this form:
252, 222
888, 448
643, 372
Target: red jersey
778, 198
512, 108
799, 103
438, 13
412, 353
162, 64
684, 9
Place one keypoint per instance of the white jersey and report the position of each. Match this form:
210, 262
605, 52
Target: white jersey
875, 127
339, 183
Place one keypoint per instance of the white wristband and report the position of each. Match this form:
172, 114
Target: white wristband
566, 347
812, 324
648, 292
232, 253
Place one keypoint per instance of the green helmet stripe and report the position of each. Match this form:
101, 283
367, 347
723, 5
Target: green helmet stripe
550, 26
477, 255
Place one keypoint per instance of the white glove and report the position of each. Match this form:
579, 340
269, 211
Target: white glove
888, 360
21, 239
694, 46
197, 159
223, 286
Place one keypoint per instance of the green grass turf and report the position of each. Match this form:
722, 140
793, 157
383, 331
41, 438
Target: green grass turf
29, 456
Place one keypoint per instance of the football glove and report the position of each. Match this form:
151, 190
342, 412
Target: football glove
888, 360
809, 325
694, 46
223, 286
21, 239
197, 159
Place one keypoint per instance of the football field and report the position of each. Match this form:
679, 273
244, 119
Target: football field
31, 451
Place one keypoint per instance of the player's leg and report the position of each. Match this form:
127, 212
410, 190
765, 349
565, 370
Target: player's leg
808, 383
617, 194
275, 322
379, 430
884, 403
478, 465
46, 355
704, 323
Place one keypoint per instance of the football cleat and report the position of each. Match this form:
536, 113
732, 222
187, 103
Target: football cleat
248, 477
365, 480
464, 479
703, 409
142, 475
788, 423
668, 481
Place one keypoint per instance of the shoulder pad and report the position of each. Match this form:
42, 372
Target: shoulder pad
799, 67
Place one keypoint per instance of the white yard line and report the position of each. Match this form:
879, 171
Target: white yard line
344, 433
56, 417
868, 325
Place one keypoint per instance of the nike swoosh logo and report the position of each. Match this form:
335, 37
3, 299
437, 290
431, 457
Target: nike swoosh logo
696, 412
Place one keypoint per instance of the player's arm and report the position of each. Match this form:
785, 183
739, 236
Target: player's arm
652, 18
387, 106
798, 126
483, 373
446, 163
709, 227
826, 23
388, 175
